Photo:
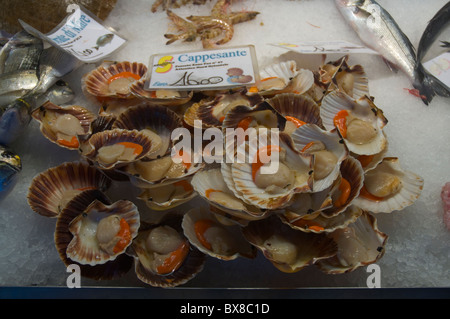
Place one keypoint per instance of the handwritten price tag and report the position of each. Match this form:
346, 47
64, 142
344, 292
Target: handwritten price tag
200, 70
324, 47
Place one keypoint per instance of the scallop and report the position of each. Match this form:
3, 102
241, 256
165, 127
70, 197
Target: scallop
211, 112
109, 270
271, 173
275, 77
321, 224
156, 121
51, 190
162, 171
116, 147
359, 244
163, 97
351, 80
211, 186
297, 109
346, 188
359, 122
163, 255
114, 79
102, 232
327, 149
168, 196
210, 236
289, 250
64, 125
388, 187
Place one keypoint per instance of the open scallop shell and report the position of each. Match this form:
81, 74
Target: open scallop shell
369, 162
221, 241
359, 244
168, 196
158, 121
242, 174
162, 171
190, 266
406, 187
296, 107
288, 249
103, 81
275, 77
160, 97
352, 172
63, 125
110, 270
362, 109
331, 141
90, 149
321, 224
84, 248
352, 80
211, 186
211, 113
51, 190
113, 107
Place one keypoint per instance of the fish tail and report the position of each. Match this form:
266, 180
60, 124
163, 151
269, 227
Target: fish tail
428, 86
172, 38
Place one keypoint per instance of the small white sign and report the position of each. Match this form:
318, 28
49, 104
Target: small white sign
203, 70
439, 67
325, 47
82, 36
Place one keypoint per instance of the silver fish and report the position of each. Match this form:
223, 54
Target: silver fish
60, 93
438, 25
21, 52
378, 30
14, 85
10, 167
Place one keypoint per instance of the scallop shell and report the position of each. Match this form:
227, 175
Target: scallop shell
158, 119
168, 196
107, 271
352, 80
300, 107
306, 249
211, 180
321, 224
241, 173
308, 133
369, 162
359, 244
90, 148
51, 190
411, 188
276, 77
192, 265
230, 242
138, 172
211, 113
363, 109
351, 170
48, 129
177, 98
113, 107
84, 247
97, 82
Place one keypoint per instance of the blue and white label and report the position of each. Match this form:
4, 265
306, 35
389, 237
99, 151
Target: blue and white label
210, 69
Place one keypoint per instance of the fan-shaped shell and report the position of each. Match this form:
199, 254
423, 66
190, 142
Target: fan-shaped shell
51, 190
88, 245
211, 237
359, 244
114, 79
182, 270
401, 188
158, 121
110, 270
367, 136
288, 249
139, 143
327, 166
63, 125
